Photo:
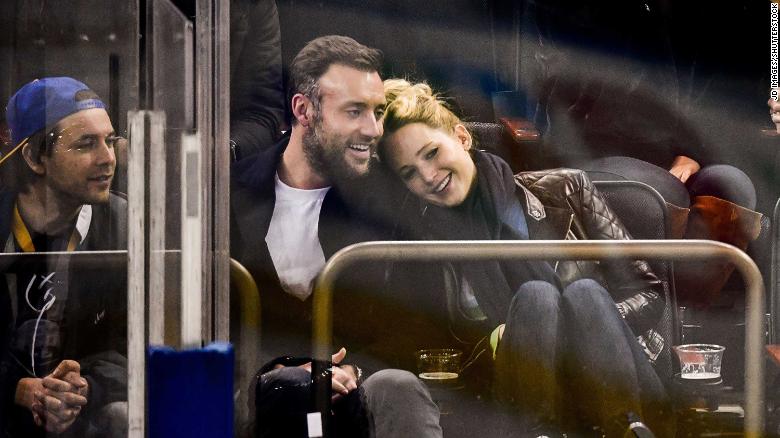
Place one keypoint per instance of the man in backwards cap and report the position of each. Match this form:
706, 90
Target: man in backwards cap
62, 365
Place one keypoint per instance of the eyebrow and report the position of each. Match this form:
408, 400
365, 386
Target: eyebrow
419, 151
90, 136
362, 104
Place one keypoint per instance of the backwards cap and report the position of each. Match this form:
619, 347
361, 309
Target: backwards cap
43, 102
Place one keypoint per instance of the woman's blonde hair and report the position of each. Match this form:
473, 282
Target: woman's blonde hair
409, 103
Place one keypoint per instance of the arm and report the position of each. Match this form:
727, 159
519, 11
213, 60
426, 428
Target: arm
637, 291
344, 378
257, 95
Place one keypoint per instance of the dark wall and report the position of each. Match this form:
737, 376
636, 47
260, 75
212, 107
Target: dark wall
447, 43
95, 41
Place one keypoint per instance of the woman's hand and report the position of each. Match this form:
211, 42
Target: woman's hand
683, 167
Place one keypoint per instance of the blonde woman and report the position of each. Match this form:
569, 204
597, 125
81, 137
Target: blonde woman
565, 355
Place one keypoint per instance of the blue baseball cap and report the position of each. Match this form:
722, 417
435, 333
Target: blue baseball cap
43, 102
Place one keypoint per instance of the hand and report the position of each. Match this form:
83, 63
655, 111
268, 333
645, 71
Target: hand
774, 112
683, 167
343, 380
26, 391
64, 394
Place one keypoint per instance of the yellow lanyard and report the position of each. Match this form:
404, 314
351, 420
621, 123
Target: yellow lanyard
24, 240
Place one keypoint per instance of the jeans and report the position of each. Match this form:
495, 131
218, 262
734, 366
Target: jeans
719, 180
390, 403
569, 360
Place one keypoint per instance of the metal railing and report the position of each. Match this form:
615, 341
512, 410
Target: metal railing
674, 250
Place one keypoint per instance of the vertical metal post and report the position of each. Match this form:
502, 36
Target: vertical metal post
191, 242
221, 166
158, 183
136, 342
204, 119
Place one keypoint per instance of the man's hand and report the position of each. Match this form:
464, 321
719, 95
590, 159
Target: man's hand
64, 394
343, 380
683, 167
27, 390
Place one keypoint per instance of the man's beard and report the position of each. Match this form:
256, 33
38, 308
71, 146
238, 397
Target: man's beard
327, 154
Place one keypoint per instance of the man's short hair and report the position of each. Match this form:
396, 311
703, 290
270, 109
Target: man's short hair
320, 53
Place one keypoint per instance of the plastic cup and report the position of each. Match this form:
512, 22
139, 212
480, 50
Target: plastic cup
442, 364
700, 361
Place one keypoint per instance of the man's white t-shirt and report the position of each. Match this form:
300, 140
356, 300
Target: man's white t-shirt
293, 239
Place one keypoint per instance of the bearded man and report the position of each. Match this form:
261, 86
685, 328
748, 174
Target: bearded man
293, 206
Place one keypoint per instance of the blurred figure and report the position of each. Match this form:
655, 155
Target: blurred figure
614, 85
63, 368
256, 90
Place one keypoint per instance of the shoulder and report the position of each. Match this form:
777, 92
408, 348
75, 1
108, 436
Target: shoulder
108, 229
560, 181
256, 172
7, 199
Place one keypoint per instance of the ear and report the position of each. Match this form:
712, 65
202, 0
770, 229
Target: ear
464, 136
302, 109
36, 166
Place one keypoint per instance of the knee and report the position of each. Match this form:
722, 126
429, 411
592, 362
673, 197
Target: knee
725, 182
392, 381
535, 296
586, 295
395, 389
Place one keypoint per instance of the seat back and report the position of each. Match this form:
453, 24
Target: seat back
245, 336
498, 139
774, 281
643, 211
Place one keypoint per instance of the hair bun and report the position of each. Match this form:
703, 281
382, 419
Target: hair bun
403, 89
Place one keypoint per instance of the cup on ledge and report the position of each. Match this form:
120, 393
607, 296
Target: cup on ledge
700, 361
440, 365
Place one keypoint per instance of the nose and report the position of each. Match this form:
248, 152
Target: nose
428, 174
371, 126
105, 154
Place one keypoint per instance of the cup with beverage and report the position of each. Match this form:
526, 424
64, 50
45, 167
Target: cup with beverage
700, 361
441, 365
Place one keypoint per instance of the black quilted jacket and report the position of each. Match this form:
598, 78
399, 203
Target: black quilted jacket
558, 204
638, 292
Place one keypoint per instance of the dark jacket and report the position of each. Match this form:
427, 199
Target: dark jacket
286, 320
557, 204
256, 91
92, 329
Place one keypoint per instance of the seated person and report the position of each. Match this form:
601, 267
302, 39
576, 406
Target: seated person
293, 205
63, 367
566, 356
618, 132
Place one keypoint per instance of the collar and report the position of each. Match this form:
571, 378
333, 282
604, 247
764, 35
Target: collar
257, 171
23, 238
534, 206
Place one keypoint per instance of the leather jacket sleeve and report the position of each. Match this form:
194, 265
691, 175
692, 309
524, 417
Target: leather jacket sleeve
637, 291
